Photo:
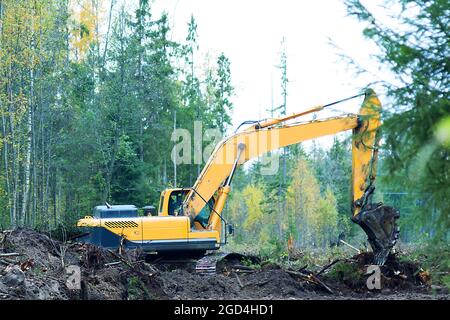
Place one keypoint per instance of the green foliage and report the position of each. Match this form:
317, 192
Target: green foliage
273, 250
253, 198
311, 218
248, 212
136, 289
346, 272
314, 213
96, 109
327, 218
416, 124
434, 257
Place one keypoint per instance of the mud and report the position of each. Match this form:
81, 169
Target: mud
33, 266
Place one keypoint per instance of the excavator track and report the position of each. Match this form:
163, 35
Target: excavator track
218, 262
208, 264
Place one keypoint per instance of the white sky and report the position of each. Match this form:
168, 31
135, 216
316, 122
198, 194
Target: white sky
249, 32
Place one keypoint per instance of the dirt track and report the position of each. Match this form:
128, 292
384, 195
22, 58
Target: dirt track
38, 272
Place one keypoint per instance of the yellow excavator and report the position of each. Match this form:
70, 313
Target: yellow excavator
190, 219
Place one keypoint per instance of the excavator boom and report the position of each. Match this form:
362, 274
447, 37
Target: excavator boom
199, 222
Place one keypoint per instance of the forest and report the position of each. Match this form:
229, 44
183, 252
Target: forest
87, 119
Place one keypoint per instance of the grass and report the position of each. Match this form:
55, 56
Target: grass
137, 290
434, 257
313, 258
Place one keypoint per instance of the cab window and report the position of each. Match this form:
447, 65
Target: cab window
176, 202
161, 202
205, 213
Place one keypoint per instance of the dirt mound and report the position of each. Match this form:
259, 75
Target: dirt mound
275, 284
351, 275
397, 272
34, 266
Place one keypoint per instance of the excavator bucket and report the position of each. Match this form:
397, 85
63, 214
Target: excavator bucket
379, 223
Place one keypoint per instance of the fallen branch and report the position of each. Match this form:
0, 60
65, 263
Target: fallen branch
238, 266
8, 261
112, 263
243, 271
310, 277
133, 267
123, 260
4, 262
12, 254
239, 280
349, 245
62, 253
327, 267
298, 273
320, 282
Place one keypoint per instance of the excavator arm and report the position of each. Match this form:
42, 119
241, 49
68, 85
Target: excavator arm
378, 221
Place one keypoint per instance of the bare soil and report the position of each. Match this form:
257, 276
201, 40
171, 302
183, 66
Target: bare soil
33, 266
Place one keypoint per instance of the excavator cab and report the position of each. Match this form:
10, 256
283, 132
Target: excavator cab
171, 202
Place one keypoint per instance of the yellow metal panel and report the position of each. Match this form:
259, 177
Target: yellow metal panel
204, 235
146, 228
364, 139
129, 228
88, 221
165, 228
165, 195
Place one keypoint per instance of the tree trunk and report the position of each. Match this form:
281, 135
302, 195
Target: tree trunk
27, 166
14, 153
27, 170
110, 168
